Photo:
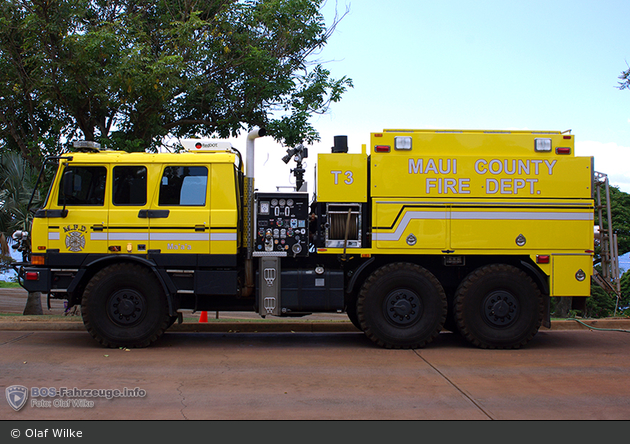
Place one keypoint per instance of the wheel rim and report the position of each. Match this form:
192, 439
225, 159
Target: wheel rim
402, 307
126, 307
500, 308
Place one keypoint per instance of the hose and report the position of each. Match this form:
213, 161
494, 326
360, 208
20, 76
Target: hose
596, 328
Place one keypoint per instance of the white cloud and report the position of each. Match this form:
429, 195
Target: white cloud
610, 159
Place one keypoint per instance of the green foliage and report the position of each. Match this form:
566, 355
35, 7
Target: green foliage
620, 211
600, 304
5, 284
131, 73
17, 181
29, 122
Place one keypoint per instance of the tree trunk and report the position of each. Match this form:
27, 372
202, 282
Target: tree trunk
563, 305
33, 304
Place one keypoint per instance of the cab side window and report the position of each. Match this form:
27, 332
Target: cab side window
130, 185
184, 185
82, 185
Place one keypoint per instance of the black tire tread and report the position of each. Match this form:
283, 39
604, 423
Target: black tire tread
474, 277
141, 273
372, 279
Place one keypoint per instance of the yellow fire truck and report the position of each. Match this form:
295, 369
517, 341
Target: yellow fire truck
470, 231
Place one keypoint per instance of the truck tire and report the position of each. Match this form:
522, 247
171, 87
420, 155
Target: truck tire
498, 306
402, 305
124, 305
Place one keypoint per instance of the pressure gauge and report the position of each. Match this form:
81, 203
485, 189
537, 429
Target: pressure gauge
274, 202
282, 202
289, 202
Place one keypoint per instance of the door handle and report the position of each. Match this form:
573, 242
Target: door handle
153, 214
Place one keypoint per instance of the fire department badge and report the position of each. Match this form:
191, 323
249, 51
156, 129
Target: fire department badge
16, 396
75, 241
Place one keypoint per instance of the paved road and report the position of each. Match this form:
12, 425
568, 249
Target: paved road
573, 375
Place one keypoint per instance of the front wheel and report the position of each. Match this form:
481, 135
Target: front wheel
402, 305
124, 306
498, 306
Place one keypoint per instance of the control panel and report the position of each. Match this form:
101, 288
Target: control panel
281, 224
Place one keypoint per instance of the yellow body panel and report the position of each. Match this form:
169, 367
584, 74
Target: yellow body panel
479, 193
478, 165
342, 178
571, 275
223, 211
482, 225
395, 222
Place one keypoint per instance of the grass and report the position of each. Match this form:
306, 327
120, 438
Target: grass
5, 284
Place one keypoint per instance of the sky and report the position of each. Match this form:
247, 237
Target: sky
526, 65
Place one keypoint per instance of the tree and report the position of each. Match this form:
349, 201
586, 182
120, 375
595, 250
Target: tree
133, 74
601, 304
620, 213
17, 180
29, 124
625, 79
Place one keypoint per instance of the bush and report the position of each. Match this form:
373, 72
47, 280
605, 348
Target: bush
600, 304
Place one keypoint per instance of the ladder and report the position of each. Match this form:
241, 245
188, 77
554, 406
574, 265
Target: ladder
606, 239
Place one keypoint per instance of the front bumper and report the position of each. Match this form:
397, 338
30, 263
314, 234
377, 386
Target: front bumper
34, 279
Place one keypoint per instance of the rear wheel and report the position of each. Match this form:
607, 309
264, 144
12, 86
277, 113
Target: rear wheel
498, 306
401, 305
124, 306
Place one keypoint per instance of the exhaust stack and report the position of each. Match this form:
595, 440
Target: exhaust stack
249, 209
249, 153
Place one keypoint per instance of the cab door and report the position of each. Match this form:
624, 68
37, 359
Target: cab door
128, 230
179, 217
77, 215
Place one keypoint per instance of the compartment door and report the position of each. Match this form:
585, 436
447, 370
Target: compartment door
571, 275
407, 225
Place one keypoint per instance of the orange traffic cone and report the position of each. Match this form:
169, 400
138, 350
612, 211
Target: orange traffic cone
203, 317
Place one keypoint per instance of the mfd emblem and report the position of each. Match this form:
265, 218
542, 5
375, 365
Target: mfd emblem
75, 240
